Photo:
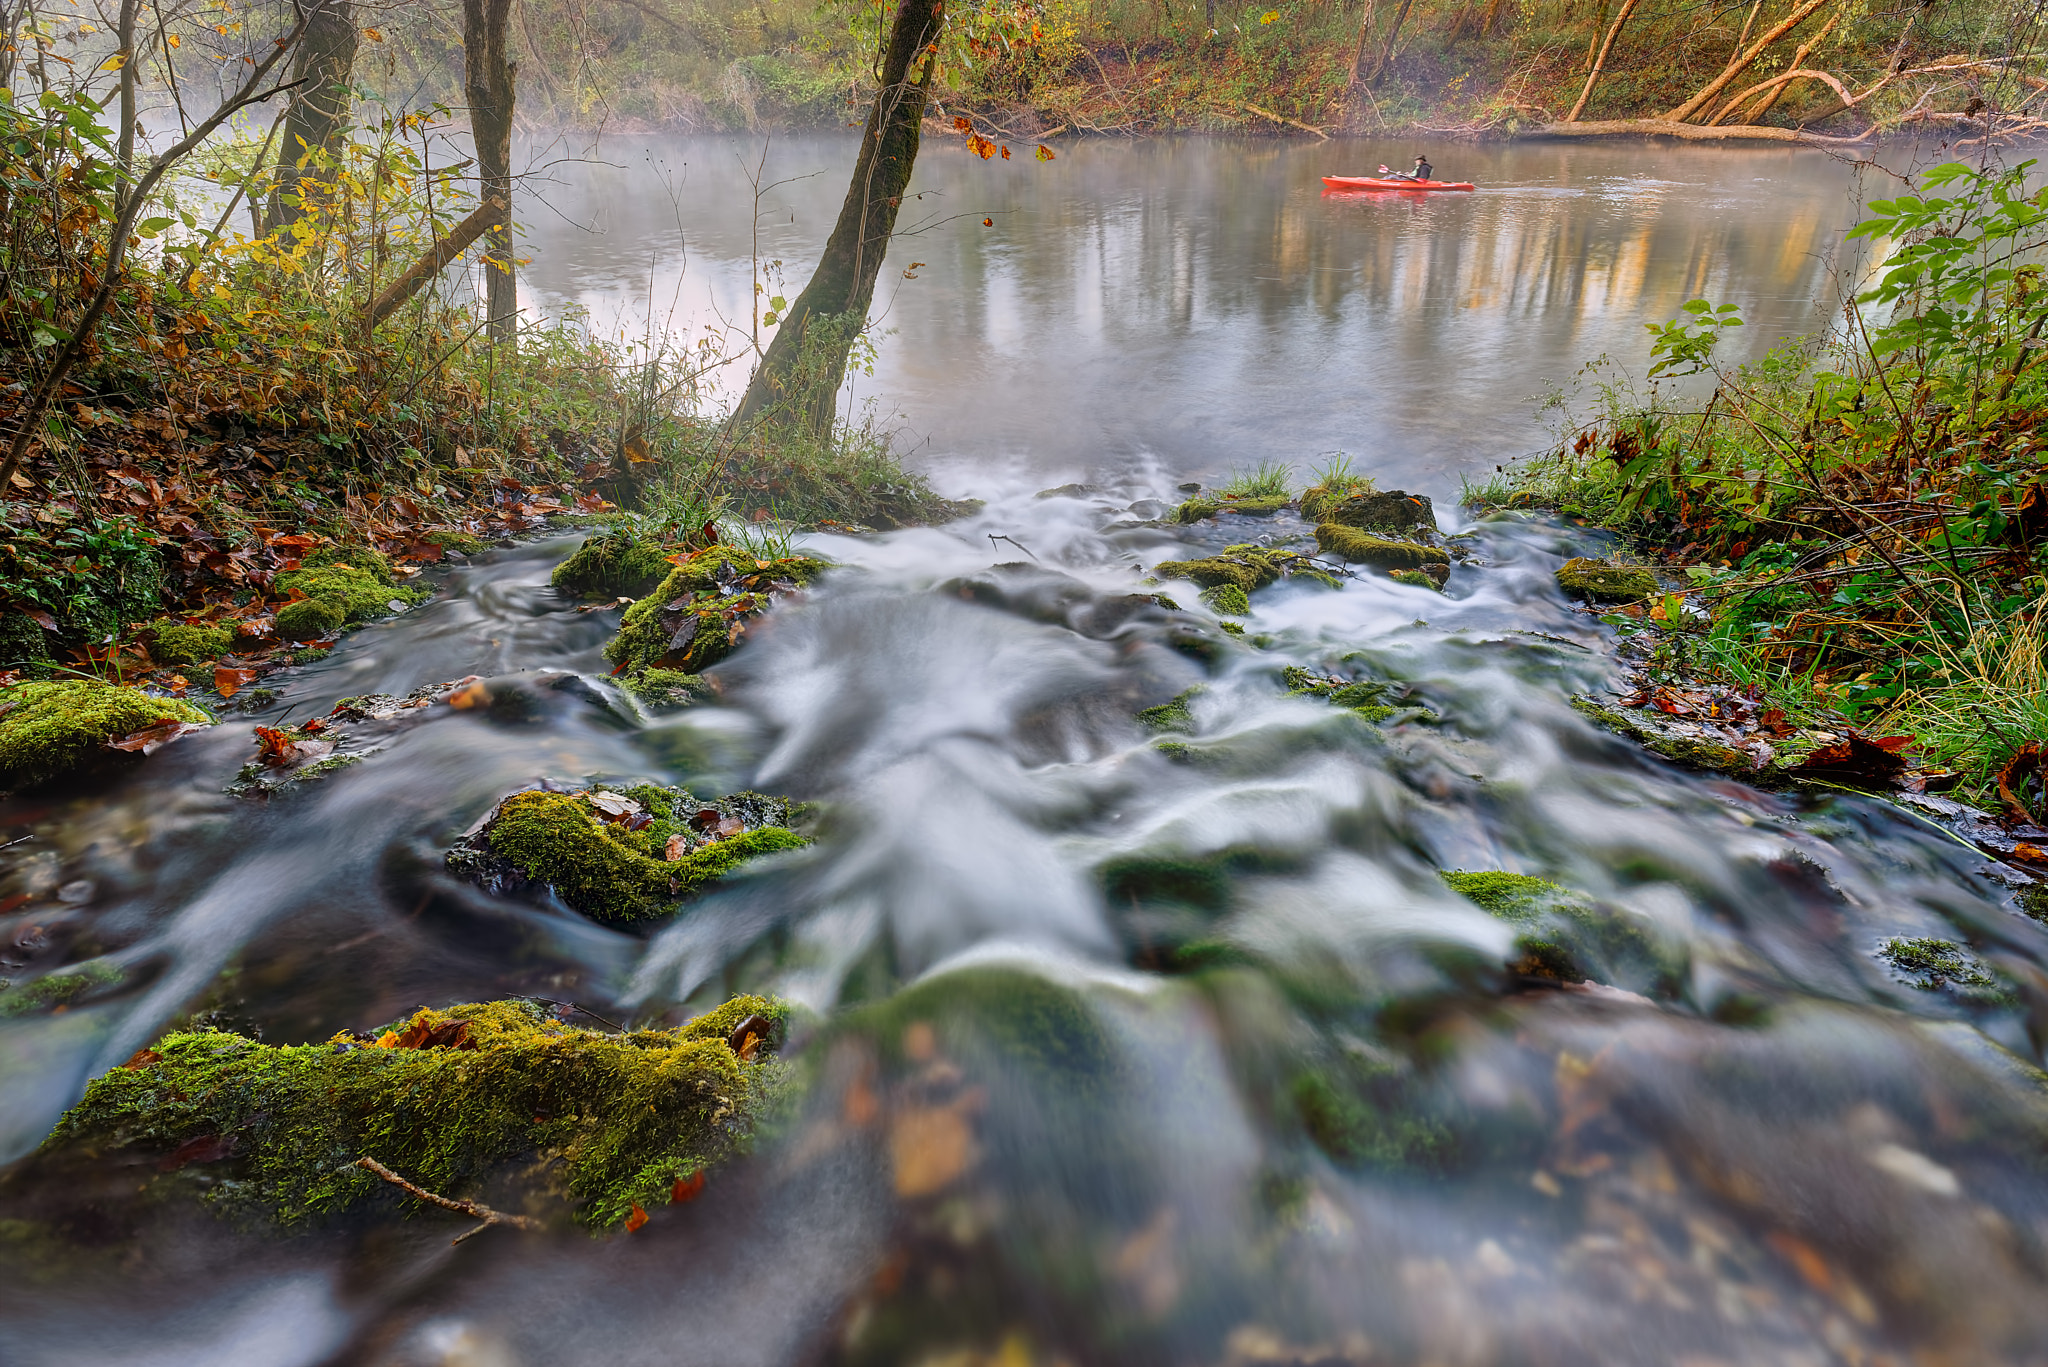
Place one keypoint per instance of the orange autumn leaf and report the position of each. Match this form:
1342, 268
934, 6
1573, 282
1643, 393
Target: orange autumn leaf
227, 682
686, 1189
636, 1219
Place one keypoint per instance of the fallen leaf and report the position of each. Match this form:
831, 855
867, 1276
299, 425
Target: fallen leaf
154, 738
142, 1058
40, 618
636, 1219
931, 1147
612, 805
1855, 761
2023, 784
678, 845
227, 682
686, 1189
469, 692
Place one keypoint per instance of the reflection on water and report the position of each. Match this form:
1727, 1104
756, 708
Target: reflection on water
1118, 1050
1206, 304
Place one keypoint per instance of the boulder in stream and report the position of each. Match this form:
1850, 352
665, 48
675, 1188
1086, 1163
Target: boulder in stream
1603, 581
501, 1099
625, 562
620, 856
1383, 553
700, 613
54, 726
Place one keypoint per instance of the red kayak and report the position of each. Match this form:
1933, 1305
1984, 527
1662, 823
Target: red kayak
1384, 183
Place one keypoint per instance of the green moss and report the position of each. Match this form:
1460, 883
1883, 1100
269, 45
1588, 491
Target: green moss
22, 643
1229, 599
56, 989
1358, 1113
177, 643
625, 562
2033, 900
455, 541
1692, 751
1319, 500
1510, 896
1363, 548
1172, 715
670, 688
605, 1121
1252, 505
1600, 581
695, 616
50, 727
1943, 966
1045, 1028
1392, 513
1418, 579
354, 592
1241, 567
610, 873
365, 558
308, 619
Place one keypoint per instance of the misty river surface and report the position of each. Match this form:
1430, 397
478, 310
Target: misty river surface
1201, 305
1112, 1050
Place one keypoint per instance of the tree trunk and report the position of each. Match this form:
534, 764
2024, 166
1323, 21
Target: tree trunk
1741, 63
1387, 52
1756, 115
439, 255
487, 81
1600, 61
1364, 41
318, 114
798, 380
124, 31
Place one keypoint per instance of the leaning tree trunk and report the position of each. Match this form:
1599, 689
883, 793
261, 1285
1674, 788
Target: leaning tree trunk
487, 81
317, 117
1387, 52
798, 381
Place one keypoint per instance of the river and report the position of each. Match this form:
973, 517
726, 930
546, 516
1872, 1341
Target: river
1114, 1053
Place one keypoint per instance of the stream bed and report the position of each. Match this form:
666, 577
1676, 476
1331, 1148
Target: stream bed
1116, 1044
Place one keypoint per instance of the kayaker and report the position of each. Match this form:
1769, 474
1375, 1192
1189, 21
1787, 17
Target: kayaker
1423, 170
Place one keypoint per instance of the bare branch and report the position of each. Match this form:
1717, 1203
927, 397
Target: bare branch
475, 1210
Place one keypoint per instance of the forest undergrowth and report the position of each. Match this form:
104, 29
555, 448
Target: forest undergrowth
1857, 527
249, 407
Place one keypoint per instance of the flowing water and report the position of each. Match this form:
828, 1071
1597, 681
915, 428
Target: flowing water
1115, 1051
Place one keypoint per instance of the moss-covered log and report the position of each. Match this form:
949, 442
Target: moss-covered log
496, 1099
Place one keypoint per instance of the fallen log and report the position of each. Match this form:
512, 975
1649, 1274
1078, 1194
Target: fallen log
1690, 132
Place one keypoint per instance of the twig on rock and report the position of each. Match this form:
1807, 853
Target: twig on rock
473, 1209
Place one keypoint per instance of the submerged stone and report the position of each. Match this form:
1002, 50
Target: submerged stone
1934, 965
1252, 505
48, 728
625, 562
462, 1102
1566, 937
620, 856
1602, 581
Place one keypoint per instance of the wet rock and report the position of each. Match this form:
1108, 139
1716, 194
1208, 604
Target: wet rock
1228, 599
1934, 965
1390, 513
50, 728
1602, 581
700, 613
1383, 553
1205, 506
1564, 937
458, 1101
1246, 567
623, 563
1038, 594
1069, 491
670, 688
619, 856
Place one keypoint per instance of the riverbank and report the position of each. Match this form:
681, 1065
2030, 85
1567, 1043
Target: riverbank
1851, 536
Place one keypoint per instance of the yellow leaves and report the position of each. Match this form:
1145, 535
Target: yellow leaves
173, 40
115, 62
1269, 16
1044, 153
373, 35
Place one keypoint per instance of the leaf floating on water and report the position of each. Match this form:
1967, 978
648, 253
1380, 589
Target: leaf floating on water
469, 692
227, 682
1045, 153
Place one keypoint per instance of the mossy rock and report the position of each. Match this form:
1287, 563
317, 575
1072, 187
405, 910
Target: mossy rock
1242, 567
309, 619
455, 541
1695, 752
22, 643
1416, 579
670, 688
1602, 581
53, 990
1228, 599
1565, 937
356, 593
1382, 553
605, 869
622, 563
1390, 513
1204, 506
1934, 965
698, 614
1371, 699
51, 727
1318, 500
1172, 715
180, 643
463, 1102
1362, 1114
